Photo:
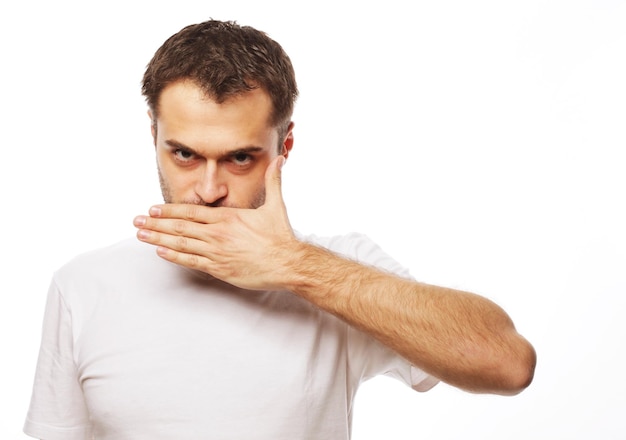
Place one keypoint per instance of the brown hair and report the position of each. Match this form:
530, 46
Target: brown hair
225, 60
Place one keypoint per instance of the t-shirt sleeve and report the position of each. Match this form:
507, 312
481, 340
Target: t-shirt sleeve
368, 357
57, 409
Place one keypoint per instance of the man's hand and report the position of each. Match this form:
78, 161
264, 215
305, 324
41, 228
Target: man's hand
243, 247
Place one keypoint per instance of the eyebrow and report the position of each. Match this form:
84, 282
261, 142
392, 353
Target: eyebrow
178, 145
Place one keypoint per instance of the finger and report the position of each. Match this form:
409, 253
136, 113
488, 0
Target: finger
179, 243
192, 261
184, 211
273, 181
168, 225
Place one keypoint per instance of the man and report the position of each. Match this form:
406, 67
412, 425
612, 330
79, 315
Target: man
237, 326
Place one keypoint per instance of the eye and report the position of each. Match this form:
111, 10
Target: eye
183, 155
241, 158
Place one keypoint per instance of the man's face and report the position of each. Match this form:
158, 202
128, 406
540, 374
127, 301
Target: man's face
215, 154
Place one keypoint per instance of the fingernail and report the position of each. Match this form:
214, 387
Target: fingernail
155, 211
143, 234
140, 220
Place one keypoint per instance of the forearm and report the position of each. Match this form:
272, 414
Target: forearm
461, 338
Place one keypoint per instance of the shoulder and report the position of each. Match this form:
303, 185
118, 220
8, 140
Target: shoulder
352, 244
118, 258
359, 247
112, 252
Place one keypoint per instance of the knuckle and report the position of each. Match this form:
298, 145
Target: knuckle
231, 216
181, 243
194, 261
179, 226
190, 211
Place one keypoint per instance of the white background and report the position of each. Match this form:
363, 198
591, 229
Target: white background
481, 143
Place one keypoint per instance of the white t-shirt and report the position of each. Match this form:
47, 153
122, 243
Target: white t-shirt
135, 347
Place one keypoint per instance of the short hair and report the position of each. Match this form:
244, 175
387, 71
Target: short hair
225, 60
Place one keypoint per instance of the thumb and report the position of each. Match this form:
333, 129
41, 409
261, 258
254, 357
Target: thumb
273, 181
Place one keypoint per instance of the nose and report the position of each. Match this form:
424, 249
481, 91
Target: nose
210, 187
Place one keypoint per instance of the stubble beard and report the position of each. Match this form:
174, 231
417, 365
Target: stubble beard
257, 201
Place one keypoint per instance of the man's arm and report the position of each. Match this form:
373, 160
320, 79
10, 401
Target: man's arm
458, 337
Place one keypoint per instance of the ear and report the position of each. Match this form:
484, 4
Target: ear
288, 142
153, 127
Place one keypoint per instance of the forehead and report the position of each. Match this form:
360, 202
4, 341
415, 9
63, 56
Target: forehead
187, 114
185, 97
